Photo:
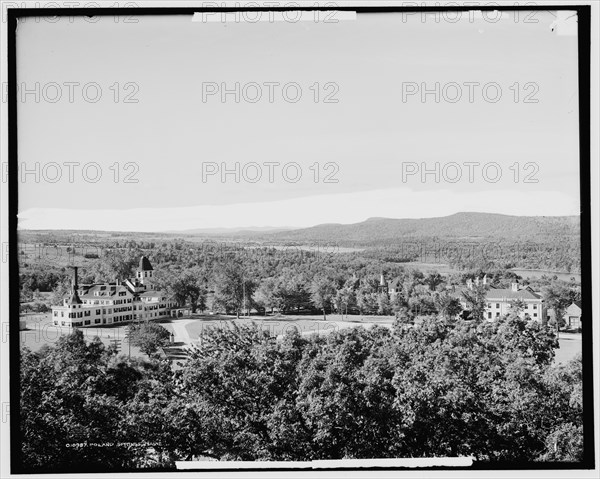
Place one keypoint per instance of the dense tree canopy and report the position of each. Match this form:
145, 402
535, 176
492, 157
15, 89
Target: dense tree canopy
444, 388
231, 277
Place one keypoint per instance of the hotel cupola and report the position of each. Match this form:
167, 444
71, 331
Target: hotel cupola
145, 272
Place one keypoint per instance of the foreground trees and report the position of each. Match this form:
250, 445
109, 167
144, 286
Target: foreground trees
445, 388
73, 395
149, 337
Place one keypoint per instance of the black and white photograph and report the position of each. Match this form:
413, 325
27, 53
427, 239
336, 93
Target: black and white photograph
299, 239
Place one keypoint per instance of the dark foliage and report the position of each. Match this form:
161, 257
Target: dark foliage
444, 388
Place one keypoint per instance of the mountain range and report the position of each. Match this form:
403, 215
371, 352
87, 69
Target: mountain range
471, 226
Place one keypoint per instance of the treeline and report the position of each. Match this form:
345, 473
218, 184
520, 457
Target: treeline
40, 278
559, 250
445, 388
234, 278
555, 254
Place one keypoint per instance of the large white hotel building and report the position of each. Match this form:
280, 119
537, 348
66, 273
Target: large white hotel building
111, 303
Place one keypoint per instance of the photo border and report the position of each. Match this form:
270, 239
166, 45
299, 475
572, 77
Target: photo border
584, 84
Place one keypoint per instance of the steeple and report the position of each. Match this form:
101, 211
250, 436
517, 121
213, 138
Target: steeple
145, 272
383, 287
145, 264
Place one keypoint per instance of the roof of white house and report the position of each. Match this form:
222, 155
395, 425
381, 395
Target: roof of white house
510, 294
577, 305
501, 294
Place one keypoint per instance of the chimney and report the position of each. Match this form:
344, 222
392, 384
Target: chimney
382, 280
514, 286
484, 279
74, 299
477, 281
75, 286
470, 283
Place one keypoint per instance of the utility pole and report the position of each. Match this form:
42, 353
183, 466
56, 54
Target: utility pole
246, 310
128, 337
116, 343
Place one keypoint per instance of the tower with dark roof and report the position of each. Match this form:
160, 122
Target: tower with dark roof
145, 272
145, 264
74, 296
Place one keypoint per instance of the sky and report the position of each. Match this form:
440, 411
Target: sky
156, 164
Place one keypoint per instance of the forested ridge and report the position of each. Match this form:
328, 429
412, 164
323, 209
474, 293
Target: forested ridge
459, 225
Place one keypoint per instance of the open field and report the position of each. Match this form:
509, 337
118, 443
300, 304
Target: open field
189, 330
444, 268
41, 331
58, 255
570, 346
538, 273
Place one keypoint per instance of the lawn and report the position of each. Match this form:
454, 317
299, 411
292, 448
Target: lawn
190, 329
569, 347
40, 331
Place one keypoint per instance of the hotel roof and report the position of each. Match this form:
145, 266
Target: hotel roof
152, 294
74, 298
103, 290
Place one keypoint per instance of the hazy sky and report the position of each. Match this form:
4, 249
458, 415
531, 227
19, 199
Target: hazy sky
369, 136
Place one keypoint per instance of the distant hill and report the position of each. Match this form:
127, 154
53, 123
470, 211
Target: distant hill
372, 232
242, 231
471, 226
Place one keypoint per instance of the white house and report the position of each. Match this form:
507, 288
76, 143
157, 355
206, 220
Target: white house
572, 315
500, 301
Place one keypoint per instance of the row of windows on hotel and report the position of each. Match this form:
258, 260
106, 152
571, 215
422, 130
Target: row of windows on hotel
108, 301
117, 319
81, 314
